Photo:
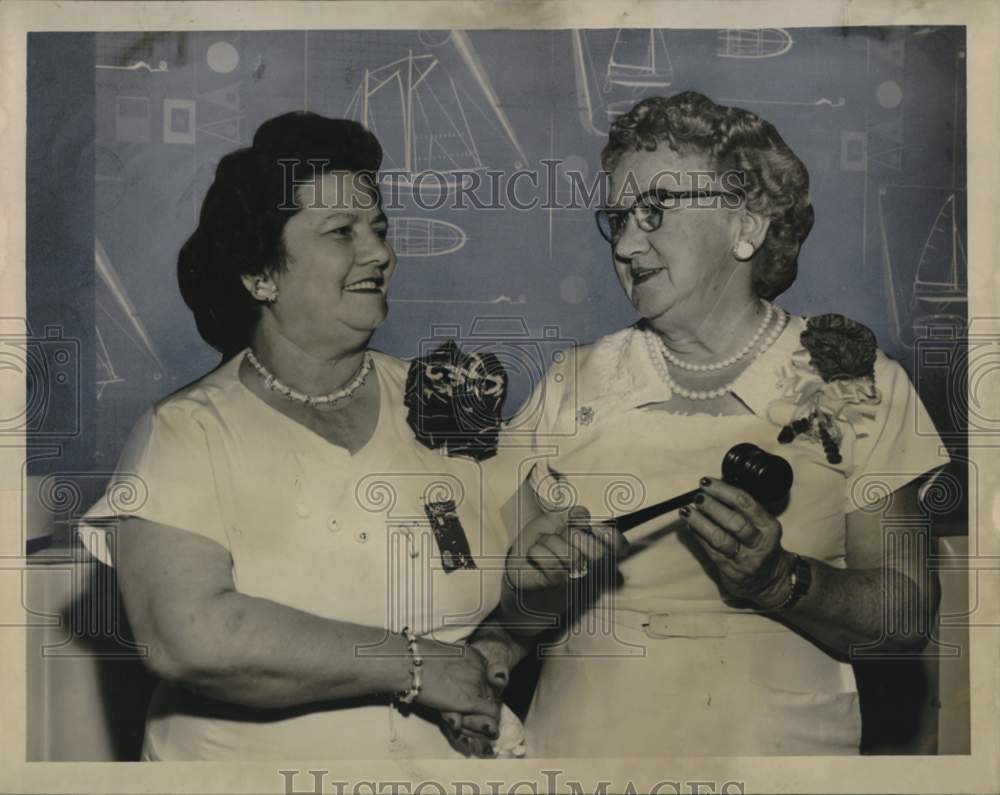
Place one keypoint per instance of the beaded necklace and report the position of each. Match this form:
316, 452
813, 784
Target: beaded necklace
271, 382
660, 354
720, 365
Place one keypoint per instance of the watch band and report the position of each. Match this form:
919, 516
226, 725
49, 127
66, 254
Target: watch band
801, 579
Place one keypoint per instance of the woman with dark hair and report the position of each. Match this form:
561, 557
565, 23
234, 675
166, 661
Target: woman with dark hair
727, 628
277, 571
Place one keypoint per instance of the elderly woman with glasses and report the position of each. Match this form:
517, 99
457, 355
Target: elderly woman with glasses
726, 627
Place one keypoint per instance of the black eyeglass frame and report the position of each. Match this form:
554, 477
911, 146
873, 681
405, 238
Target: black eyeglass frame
643, 201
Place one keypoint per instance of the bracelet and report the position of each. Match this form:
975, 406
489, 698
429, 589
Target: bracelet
801, 579
416, 668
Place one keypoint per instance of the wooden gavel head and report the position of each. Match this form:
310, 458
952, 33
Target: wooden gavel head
765, 477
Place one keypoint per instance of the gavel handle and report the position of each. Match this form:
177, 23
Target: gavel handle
643, 515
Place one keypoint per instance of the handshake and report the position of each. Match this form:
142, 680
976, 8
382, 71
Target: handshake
558, 549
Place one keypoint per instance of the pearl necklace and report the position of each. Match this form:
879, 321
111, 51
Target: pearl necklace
271, 382
702, 368
657, 351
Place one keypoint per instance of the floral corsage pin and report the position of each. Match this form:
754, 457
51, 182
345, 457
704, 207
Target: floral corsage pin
455, 401
829, 384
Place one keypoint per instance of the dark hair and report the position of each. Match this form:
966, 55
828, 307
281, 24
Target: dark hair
775, 181
245, 211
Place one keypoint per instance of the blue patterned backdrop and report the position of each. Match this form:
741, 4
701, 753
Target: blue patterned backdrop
877, 115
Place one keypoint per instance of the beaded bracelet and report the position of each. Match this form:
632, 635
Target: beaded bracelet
416, 667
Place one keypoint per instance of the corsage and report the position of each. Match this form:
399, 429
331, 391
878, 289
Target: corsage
455, 401
828, 385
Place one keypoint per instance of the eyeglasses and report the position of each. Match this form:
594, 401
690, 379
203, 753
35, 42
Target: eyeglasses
648, 210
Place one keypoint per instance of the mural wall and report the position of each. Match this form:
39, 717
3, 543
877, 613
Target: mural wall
877, 115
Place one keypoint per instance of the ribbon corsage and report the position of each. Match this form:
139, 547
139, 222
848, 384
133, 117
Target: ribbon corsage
455, 401
829, 385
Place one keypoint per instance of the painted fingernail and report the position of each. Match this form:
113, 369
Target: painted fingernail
685, 512
699, 499
706, 482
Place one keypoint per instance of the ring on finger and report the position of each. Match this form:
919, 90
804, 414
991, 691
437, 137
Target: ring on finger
743, 528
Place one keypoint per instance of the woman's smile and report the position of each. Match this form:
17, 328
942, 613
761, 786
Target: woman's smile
372, 284
640, 275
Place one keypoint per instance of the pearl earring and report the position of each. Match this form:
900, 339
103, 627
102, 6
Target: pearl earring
267, 293
743, 250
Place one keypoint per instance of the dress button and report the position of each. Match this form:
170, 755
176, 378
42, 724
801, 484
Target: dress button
333, 525
302, 510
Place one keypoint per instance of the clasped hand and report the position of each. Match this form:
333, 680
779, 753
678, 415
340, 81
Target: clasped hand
472, 733
563, 547
560, 547
743, 540
461, 682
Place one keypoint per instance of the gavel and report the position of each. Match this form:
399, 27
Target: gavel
764, 476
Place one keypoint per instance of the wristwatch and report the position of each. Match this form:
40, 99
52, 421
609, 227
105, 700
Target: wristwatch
801, 578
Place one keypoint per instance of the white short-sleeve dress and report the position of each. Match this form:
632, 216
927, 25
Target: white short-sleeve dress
663, 658
309, 525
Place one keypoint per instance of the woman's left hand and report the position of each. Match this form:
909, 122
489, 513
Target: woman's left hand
743, 540
462, 731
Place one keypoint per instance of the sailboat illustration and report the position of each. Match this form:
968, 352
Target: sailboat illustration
121, 317
639, 59
106, 374
638, 63
425, 237
938, 281
753, 42
415, 110
942, 263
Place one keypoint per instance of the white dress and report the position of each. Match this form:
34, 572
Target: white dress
311, 526
664, 664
